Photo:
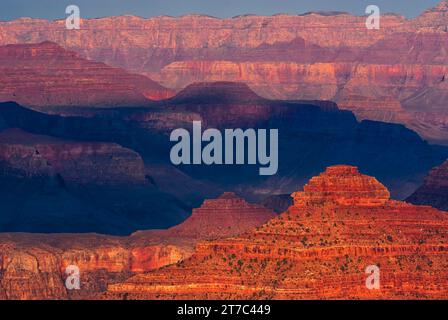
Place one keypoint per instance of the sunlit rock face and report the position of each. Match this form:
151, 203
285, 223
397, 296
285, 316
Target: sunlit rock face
318, 249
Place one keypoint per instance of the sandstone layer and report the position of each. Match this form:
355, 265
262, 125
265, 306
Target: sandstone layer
318, 249
223, 217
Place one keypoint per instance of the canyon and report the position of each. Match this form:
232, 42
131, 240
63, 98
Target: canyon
32, 266
86, 177
395, 74
342, 222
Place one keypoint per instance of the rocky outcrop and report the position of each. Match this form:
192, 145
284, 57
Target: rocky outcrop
46, 75
33, 266
318, 249
373, 87
434, 18
434, 191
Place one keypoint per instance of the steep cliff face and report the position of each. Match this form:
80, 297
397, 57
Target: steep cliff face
434, 191
318, 249
45, 74
434, 18
33, 266
125, 34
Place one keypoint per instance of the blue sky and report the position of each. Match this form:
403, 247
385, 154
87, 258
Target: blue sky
55, 9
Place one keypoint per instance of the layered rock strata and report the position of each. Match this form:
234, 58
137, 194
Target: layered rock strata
319, 248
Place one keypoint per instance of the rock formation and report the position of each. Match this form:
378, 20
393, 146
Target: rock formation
434, 191
319, 248
33, 266
46, 75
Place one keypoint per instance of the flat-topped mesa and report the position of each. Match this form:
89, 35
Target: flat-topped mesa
44, 50
342, 185
227, 215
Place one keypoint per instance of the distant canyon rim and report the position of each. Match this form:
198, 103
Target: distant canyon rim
395, 74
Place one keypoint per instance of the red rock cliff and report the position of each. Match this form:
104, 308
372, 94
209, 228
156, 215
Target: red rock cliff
319, 248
